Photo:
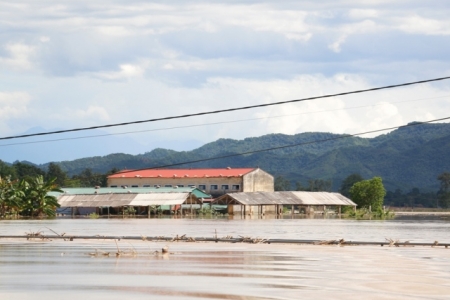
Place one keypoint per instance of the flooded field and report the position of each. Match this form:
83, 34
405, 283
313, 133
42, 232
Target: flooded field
58, 269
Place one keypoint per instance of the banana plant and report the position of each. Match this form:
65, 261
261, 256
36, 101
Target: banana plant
37, 201
11, 197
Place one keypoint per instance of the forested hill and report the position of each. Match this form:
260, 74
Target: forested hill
408, 157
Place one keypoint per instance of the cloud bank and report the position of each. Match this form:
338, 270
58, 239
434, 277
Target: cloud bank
82, 63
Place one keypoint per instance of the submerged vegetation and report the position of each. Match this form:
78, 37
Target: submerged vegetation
366, 214
28, 197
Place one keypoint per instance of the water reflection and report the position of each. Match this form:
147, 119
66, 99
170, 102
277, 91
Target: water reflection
58, 269
66, 270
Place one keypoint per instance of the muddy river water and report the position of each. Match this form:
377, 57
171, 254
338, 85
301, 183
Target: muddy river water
81, 269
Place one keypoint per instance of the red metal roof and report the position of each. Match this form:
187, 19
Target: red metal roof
183, 173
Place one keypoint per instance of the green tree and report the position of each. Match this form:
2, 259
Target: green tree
348, 182
37, 200
7, 170
444, 191
369, 193
318, 185
11, 197
90, 179
299, 186
25, 170
282, 184
55, 172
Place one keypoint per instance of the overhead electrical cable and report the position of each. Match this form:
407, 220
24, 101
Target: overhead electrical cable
286, 146
226, 110
214, 123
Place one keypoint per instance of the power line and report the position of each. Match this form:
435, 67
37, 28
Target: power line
286, 146
226, 110
214, 123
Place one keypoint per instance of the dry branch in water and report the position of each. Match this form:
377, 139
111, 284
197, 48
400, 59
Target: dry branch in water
393, 242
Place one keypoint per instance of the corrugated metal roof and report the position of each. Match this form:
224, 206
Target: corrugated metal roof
112, 200
183, 173
126, 199
159, 199
325, 198
287, 198
93, 191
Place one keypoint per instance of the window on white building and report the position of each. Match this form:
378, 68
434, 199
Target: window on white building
214, 187
225, 187
202, 186
235, 187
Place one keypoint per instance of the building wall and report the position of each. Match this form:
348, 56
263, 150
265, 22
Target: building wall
235, 184
258, 181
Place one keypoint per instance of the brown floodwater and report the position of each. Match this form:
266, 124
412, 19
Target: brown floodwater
58, 269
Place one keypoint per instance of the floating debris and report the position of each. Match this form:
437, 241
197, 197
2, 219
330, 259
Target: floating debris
393, 242
227, 239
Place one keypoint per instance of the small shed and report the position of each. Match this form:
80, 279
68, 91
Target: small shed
262, 202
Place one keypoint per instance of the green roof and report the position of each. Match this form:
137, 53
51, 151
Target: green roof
108, 190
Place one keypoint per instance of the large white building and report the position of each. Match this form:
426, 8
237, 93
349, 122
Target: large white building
212, 181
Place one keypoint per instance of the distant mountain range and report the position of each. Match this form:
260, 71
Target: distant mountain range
411, 156
78, 144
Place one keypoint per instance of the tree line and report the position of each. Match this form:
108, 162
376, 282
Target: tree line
374, 188
86, 178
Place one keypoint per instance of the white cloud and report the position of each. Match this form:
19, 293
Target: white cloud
126, 71
93, 112
115, 31
363, 27
44, 39
91, 62
289, 23
13, 105
357, 13
19, 56
382, 110
419, 25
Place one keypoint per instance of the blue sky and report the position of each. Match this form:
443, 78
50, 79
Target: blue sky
66, 64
